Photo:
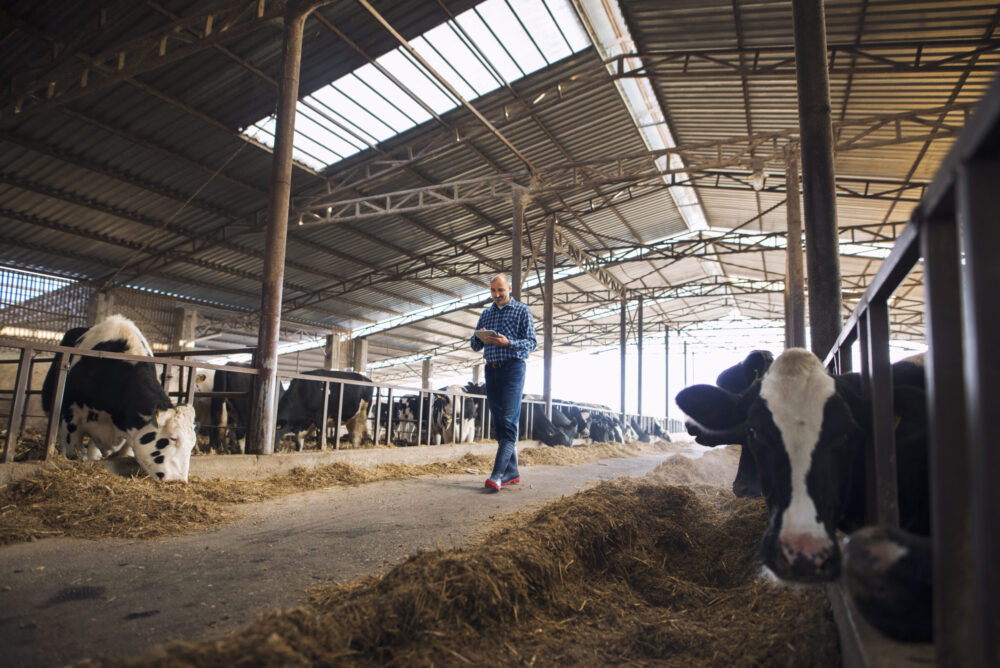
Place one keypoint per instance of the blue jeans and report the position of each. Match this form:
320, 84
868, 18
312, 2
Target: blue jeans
504, 389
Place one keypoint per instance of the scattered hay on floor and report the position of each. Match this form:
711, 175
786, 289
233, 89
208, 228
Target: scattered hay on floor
716, 467
73, 498
76, 499
630, 572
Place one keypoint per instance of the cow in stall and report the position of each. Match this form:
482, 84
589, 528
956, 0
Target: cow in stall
604, 428
119, 404
301, 407
808, 432
451, 406
230, 416
204, 379
560, 430
405, 416
736, 380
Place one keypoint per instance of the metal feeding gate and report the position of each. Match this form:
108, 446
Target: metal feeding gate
956, 230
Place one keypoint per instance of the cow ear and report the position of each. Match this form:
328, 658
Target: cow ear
711, 406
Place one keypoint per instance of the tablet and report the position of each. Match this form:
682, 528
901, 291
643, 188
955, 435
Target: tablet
481, 334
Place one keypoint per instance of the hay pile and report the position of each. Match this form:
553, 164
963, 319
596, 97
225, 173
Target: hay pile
72, 498
627, 572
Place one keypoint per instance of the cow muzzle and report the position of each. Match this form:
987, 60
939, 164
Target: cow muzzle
803, 558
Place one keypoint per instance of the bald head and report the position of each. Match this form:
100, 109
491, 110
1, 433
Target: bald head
500, 289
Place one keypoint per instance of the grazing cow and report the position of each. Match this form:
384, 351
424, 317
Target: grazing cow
560, 430
444, 415
640, 433
231, 415
808, 432
301, 407
737, 379
120, 405
605, 429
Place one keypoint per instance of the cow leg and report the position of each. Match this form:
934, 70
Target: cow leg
300, 439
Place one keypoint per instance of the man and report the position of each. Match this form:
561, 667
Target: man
504, 355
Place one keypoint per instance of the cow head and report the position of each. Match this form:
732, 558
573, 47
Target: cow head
718, 414
803, 436
800, 435
163, 446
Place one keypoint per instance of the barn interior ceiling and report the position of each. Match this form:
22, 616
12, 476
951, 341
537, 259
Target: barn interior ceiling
135, 153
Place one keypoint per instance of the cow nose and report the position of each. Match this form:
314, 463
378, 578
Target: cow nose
805, 550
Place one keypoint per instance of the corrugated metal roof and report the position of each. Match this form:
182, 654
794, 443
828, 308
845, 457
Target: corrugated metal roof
148, 181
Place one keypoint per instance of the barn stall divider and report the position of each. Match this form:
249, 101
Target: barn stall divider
180, 369
955, 229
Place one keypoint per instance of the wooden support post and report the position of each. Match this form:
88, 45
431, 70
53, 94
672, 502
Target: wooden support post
819, 197
550, 260
517, 229
262, 416
795, 300
638, 340
622, 340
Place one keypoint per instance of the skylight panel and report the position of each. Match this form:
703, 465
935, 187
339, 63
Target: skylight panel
543, 30
431, 54
492, 49
418, 81
501, 19
494, 43
342, 106
398, 99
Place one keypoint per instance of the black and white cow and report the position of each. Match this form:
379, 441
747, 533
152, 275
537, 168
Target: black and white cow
560, 430
451, 406
808, 432
301, 407
737, 379
120, 405
231, 415
604, 428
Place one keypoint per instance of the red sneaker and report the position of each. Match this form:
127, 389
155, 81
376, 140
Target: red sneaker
512, 481
491, 484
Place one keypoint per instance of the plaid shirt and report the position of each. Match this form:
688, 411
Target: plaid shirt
513, 321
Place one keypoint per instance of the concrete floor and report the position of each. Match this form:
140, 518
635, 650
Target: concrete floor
63, 600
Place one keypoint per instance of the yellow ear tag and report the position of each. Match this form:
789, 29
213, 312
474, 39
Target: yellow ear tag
895, 422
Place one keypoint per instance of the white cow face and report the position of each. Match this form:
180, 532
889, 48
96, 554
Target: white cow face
163, 447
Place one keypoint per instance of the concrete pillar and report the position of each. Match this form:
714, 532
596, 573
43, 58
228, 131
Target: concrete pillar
819, 196
185, 322
100, 306
360, 355
425, 374
262, 414
332, 351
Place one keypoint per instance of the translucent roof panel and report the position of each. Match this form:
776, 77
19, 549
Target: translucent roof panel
494, 43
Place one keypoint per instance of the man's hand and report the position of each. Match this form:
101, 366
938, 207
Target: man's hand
498, 340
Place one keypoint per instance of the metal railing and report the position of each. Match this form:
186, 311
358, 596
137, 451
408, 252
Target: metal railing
955, 229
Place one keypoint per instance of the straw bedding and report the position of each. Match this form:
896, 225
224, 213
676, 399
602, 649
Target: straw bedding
72, 498
629, 572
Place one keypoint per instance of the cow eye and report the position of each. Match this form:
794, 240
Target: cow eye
751, 433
